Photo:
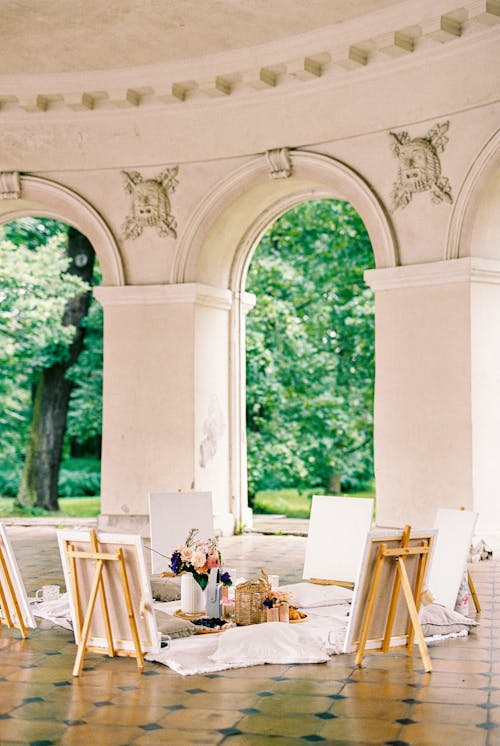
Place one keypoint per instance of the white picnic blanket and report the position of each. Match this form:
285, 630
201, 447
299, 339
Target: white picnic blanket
314, 640
321, 635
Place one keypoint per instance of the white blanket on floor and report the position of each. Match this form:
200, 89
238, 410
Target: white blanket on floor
319, 636
322, 634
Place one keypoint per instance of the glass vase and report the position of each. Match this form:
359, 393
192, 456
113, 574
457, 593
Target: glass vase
192, 596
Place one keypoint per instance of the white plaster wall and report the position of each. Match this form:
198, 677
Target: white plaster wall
422, 403
485, 394
148, 417
211, 389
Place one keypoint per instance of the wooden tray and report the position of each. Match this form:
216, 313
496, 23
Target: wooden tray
298, 621
208, 631
182, 615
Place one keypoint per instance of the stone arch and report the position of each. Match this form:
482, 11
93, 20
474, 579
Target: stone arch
217, 247
231, 219
45, 198
475, 221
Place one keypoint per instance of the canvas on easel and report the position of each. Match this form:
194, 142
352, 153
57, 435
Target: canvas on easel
386, 599
171, 516
14, 606
109, 593
455, 530
336, 538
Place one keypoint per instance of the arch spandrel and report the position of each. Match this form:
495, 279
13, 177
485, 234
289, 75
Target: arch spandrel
475, 223
44, 198
230, 221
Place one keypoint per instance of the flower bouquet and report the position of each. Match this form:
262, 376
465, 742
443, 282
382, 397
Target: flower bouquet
198, 556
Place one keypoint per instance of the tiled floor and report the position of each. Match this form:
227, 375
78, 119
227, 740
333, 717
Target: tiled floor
388, 701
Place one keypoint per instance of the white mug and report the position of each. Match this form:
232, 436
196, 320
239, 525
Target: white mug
47, 593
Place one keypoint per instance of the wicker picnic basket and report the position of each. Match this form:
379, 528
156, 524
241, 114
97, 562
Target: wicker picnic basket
248, 601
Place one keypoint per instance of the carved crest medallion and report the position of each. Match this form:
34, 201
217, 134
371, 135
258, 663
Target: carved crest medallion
420, 167
150, 203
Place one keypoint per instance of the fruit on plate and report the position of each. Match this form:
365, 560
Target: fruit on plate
210, 622
295, 614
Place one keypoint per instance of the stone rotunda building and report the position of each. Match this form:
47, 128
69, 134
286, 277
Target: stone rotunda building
173, 134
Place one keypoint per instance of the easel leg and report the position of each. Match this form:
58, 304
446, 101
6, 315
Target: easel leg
419, 584
394, 598
370, 604
104, 603
88, 619
20, 621
75, 591
130, 610
473, 593
410, 602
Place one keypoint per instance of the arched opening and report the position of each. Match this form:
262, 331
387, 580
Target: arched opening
310, 359
51, 383
218, 245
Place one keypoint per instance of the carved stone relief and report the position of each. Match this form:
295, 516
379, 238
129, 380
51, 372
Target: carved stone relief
150, 203
420, 167
10, 185
279, 162
213, 429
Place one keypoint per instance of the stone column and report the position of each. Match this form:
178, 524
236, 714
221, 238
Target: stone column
165, 399
437, 391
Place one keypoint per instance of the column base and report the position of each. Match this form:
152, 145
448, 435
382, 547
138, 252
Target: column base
124, 524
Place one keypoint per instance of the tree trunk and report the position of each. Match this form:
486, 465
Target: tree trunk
51, 394
334, 483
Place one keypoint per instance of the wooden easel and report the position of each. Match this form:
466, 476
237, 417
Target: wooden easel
473, 592
472, 588
4, 604
100, 559
411, 596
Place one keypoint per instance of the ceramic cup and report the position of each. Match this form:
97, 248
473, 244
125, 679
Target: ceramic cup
47, 593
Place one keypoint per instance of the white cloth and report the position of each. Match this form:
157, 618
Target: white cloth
56, 611
325, 627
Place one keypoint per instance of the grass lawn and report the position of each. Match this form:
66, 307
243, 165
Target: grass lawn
288, 502
70, 507
292, 503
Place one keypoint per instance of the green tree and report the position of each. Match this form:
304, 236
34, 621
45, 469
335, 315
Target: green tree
310, 351
44, 299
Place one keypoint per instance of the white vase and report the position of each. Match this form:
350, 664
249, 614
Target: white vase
192, 596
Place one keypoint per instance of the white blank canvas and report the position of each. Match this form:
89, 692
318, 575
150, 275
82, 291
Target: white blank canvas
17, 583
171, 516
337, 534
455, 530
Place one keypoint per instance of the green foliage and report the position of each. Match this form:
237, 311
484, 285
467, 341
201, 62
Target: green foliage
34, 291
80, 477
310, 351
76, 477
69, 507
85, 409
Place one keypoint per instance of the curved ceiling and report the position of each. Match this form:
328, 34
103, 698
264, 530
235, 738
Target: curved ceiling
61, 36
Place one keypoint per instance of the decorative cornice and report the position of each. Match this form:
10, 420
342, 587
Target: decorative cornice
383, 37
452, 271
154, 295
10, 185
